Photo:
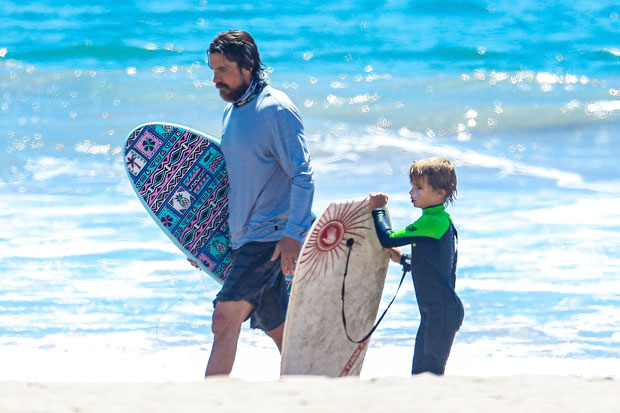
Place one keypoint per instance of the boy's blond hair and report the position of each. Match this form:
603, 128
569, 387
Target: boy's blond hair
439, 173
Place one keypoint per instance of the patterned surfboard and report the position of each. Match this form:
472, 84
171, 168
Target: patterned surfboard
180, 176
315, 342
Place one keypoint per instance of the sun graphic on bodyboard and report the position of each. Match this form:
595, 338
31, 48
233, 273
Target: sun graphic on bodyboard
327, 242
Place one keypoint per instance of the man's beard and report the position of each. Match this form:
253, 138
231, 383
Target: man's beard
231, 95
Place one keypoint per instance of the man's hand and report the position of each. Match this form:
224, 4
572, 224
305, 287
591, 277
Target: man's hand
377, 200
194, 263
288, 249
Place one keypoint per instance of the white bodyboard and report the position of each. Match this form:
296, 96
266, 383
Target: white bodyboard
315, 342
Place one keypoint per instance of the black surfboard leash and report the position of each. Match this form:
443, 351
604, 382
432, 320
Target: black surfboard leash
350, 243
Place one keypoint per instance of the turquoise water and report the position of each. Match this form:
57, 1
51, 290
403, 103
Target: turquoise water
522, 96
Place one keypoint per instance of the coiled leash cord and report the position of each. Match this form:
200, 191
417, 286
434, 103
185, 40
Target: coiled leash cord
350, 243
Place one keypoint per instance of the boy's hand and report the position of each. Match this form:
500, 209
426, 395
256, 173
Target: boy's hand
377, 200
194, 264
395, 254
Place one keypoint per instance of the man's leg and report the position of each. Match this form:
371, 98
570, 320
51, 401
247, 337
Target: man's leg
226, 326
276, 334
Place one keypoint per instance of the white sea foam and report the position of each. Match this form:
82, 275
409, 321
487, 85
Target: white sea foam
603, 107
89, 147
137, 357
614, 51
351, 148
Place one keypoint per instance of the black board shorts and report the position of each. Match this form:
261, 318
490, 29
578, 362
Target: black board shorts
256, 279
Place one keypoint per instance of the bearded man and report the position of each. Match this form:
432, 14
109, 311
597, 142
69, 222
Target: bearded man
270, 198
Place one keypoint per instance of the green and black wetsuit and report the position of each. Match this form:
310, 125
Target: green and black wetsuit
433, 267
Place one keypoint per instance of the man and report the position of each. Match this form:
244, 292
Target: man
270, 198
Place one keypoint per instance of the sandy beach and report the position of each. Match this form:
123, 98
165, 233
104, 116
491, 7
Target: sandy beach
304, 394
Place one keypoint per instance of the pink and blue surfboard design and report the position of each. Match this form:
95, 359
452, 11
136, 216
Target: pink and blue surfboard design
180, 176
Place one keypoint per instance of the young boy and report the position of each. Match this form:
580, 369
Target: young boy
432, 260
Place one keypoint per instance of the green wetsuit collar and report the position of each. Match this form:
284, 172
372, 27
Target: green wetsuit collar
437, 209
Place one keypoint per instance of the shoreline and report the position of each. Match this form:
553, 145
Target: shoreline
313, 393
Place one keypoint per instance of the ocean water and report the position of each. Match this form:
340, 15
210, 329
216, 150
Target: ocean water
522, 96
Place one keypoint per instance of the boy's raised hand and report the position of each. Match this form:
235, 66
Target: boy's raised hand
377, 200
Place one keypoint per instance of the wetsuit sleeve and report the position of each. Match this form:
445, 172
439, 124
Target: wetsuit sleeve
425, 227
387, 237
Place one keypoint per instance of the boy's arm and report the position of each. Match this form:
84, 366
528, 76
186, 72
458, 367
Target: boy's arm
405, 261
388, 240
398, 257
387, 237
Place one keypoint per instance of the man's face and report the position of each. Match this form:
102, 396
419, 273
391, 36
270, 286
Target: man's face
231, 81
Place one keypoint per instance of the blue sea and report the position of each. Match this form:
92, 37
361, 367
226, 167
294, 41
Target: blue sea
523, 96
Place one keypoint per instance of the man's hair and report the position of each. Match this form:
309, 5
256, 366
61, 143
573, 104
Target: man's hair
439, 174
239, 46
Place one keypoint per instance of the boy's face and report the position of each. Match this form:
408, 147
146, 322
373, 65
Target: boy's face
423, 195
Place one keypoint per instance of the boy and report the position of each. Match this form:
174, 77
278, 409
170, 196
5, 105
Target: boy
432, 260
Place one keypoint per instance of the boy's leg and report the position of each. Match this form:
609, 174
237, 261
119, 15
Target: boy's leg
425, 357
436, 363
418, 352
439, 333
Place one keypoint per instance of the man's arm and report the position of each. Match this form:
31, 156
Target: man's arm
293, 155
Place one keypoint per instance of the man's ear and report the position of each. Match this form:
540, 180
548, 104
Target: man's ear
247, 70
